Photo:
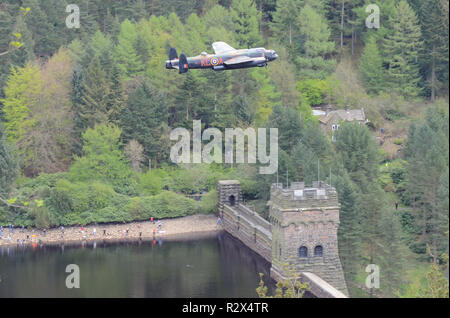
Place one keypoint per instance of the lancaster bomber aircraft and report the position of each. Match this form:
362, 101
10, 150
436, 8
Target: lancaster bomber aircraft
225, 58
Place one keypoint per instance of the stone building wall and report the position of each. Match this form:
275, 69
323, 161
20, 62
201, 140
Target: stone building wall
243, 223
306, 222
299, 216
249, 230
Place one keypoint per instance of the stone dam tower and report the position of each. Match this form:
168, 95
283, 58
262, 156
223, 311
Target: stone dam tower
302, 230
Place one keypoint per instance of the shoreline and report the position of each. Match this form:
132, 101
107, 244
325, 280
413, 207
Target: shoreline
171, 228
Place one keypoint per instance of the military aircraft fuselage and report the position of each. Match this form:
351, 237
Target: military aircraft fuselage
245, 58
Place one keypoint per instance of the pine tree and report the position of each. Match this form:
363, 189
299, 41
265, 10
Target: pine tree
138, 11
43, 32
289, 125
116, 100
316, 44
76, 98
427, 155
8, 165
434, 57
358, 152
284, 26
349, 232
371, 67
246, 19
111, 24
402, 51
145, 119
127, 58
393, 259
26, 52
187, 102
96, 90
266, 96
5, 29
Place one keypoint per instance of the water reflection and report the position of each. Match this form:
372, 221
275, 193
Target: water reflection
215, 266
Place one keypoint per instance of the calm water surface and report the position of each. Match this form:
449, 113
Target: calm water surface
215, 266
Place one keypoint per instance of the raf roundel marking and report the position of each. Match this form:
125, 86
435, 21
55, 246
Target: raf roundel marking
214, 61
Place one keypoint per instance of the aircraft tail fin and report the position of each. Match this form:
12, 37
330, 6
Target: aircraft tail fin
173, 54
183, 64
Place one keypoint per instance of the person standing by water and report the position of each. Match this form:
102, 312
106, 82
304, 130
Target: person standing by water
45, 232
219, 221
94, 231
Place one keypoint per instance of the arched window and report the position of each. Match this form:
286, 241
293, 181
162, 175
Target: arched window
318, 250
232, 200
303, 251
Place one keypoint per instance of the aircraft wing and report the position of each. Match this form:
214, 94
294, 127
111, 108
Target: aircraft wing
238, 60
222, 47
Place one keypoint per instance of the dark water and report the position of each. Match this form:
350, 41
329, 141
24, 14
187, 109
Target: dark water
215, 266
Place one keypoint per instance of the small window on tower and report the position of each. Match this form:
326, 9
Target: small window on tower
318, 250
303, 251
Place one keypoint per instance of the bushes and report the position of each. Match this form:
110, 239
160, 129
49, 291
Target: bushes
313, 90
209, 202
152, 182
55, 200
163, 205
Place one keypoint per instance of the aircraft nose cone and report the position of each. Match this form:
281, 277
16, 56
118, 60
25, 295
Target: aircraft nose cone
275, 56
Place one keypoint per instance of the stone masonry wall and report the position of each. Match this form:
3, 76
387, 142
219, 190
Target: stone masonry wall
308, 218
250, 229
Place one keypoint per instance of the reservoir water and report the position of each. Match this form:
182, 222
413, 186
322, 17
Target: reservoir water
215, 265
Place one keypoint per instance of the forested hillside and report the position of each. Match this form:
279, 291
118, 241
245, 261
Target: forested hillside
85, 117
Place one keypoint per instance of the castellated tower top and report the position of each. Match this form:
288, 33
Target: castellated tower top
299, 197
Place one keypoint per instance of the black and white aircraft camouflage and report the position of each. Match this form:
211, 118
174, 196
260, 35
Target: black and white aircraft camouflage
225, 58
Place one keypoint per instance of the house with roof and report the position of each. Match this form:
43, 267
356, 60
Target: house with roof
330, 121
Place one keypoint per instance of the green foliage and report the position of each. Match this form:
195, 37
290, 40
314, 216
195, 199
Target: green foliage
118, 77
94, 99
357, 150
371, 67
313, 90
315, 35
209, 202
102, 159
291, 287
127, 58
246, 19
402, 51
8, 165
164, 205
22, 87
152, 182
145, 119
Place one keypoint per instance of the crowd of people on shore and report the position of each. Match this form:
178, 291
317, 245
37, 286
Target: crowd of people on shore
22, 236
11, 235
